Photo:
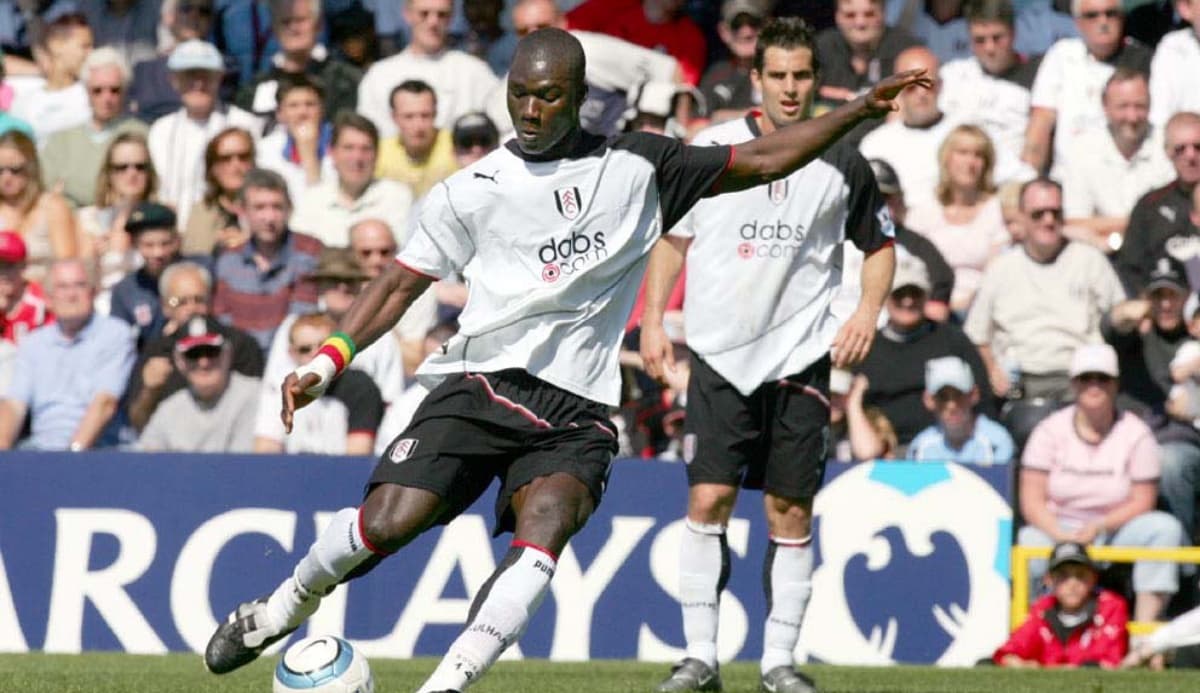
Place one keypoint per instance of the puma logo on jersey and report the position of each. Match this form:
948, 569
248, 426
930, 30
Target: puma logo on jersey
485, 176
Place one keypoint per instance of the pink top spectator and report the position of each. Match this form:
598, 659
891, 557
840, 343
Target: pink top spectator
1087, 481
967, 247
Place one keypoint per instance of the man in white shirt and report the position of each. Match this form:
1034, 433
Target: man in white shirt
1066, 94
1110, 167
551, 232
1175, 66
178, 140
462, 81
328, 210
991, 88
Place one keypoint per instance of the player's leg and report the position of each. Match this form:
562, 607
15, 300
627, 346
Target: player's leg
549, 511
355, 541
703, 572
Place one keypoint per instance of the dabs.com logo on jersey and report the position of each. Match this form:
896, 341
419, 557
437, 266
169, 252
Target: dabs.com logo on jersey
567, 255
771, 238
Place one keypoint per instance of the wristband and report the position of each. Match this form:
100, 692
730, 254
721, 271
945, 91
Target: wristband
324, 367
340, 349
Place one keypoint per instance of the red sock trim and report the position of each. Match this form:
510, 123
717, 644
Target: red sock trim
362, 534
519, 544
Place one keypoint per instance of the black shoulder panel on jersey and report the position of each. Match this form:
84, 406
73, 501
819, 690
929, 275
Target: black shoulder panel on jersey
683, 173
587, 145
865, 208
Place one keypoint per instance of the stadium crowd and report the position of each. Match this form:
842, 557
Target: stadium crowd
192, 192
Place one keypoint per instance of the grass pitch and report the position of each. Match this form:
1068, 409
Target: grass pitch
120, 673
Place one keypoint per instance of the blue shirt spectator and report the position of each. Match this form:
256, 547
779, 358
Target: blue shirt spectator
960, 434
69, 376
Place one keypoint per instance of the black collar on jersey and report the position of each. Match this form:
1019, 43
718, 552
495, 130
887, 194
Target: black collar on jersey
586, 145
752, 122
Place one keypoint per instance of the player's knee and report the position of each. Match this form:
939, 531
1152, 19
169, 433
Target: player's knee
711, 503
554, 518
788, 517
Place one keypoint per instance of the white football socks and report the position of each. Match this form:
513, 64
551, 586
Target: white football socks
498, 617
338, 550
787, 575
1181, 631
703, 571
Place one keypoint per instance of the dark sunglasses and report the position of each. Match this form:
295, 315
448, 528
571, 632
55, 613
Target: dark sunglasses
202, 352
240, 156
139, 166
95, 91
947, 395
745, 19
1093, 15
1094, 378
1055, 213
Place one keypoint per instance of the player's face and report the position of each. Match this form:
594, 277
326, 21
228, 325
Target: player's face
414, 115
1101, 24
1127, 108
1073, 585
1166, 308
542, 102
787, 83
266, 214
373, 246
158, 247
1183, 146
860, 22
992, 43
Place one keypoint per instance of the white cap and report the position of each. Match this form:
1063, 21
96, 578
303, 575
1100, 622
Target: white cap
1094, 358
948, 371
911, 271
196, 55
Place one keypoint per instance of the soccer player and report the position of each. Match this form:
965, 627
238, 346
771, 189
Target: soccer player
551, 232
763, 265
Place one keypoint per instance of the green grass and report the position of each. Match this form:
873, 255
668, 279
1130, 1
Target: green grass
118, 673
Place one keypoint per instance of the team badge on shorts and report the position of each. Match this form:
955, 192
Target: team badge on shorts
777, 190
402, 450
689, 447
569, 202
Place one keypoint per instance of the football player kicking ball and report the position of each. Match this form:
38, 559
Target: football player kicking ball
763, 265
551, 232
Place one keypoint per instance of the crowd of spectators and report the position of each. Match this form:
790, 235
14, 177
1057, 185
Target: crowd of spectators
193, 191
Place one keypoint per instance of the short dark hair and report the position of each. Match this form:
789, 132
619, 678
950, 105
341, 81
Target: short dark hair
291, 82
412, 86
989, 11
787, 33
349, 120
1121, 75
1039, 182
265, 179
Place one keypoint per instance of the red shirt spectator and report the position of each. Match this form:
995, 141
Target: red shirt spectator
1099, 641
655, 24
22, 306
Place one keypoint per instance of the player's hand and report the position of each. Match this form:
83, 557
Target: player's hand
295, 396
658, 354
853, 341
881, 100
155, 372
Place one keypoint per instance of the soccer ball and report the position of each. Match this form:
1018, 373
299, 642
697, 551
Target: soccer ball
323, 664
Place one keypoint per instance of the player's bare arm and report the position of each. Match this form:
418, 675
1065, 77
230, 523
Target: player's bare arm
854, 339
666, 262
774, 156
380, 306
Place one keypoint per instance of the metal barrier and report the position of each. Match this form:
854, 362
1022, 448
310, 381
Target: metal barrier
1021, 555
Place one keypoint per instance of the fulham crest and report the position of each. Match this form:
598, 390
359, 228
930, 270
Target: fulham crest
568, 202
402, 450
777, 190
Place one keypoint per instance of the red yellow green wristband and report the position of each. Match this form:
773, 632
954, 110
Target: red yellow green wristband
340, 349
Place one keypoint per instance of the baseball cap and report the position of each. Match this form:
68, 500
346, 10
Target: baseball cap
1094, 358
474, 128
910, 271
885, 176
338, 264
150, 215
197, 334
12, 248
730, 9
948, 371
1168, 272
196, 55
1069, 552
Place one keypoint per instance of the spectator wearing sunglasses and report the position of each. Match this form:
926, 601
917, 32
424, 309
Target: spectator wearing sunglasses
961, 434
185, 289
1090, 475
213, 225
71, 158
215, 413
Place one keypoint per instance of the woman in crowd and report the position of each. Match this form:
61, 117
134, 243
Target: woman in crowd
213, 224
1090, 475
41, 217
966, 222
126, 179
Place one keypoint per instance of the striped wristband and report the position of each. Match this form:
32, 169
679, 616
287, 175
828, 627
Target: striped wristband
340, 349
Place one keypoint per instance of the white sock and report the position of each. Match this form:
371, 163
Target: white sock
703, 572
498, 617
1183, 630
340, 549
787, 575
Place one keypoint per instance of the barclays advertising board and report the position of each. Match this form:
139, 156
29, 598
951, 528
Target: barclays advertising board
144, 553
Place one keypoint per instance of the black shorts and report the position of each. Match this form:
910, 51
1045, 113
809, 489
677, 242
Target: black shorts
475, 427
776, 439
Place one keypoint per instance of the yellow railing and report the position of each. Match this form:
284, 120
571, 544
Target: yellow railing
1021, 556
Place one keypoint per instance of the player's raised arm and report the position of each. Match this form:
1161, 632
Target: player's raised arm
380, 306
773, 156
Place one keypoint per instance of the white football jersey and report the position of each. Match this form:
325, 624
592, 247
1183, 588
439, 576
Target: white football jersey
553, 253
764, 263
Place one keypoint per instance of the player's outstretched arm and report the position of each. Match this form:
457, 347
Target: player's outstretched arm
666, 262
773, 156
380, 306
